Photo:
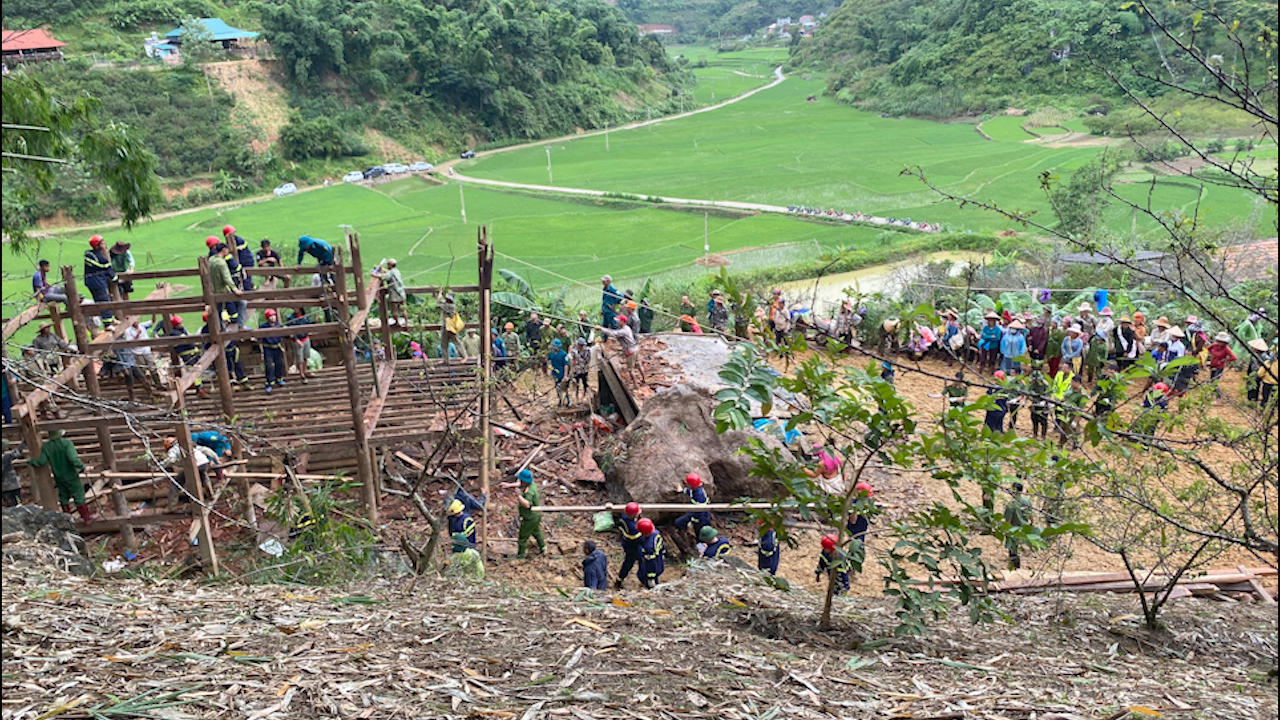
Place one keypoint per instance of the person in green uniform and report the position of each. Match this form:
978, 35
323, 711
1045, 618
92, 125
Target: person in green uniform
60, 456
465, 562
1018, 514
530, 521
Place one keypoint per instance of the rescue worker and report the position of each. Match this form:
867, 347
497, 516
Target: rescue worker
98, 274
716, 546
316, 248
243, 254
559, 360
180, 491
834, 563
465, 561
697, 496
301, 342
122, 263
511, 339
460, 521
188, 353
214, 440
530, 521
595, 567
769, 553
610, 297
225, 281
631, 538
272, 351
651, 561
60, 455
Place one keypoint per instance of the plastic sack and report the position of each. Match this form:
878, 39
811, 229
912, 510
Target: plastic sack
603, 521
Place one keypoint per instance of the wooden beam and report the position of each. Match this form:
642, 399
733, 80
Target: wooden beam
322, 330
15, 323
192, 474
114, 524
435, 289
664, 507
90, 369
364, 469
191, 373
357, 270
485, 273
374, 409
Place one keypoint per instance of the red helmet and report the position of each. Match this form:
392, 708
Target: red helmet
95, 241
1162, 387
175, 320
205, 316
228, 230
999, 374
692, 480
864, 488
645, 526
270, 312
632, 509
828, 542
211, 241
622, 319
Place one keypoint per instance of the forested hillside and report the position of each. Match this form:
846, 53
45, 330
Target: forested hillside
944, 57
726, 19
434, 78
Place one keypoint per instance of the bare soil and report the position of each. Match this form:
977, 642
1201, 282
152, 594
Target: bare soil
257, 88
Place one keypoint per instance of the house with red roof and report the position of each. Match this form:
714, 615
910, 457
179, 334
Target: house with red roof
21, 46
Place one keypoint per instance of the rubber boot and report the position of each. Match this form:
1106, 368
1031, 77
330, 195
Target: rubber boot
85, 515
618, 584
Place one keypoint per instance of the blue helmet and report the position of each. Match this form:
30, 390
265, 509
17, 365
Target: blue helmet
525, 476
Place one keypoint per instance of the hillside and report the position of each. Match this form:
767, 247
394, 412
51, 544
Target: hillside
335, 80
939, 59
717, 19
715, 644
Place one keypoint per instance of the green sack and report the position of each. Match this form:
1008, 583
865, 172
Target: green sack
604, 521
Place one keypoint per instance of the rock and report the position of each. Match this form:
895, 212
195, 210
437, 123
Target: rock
673, 436
44, 537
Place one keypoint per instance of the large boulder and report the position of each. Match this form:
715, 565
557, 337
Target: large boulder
674, 435
42, 537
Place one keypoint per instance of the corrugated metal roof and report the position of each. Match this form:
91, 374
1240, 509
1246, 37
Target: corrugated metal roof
220, 30
36, 39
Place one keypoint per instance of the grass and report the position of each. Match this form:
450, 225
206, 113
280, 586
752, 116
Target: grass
776, 148
730, 73
421, 226
1006, 128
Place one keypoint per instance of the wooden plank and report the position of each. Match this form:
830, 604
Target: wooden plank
141, 520
373, 410
192, 373
1258, 590
435, 289
317, 330
15, 323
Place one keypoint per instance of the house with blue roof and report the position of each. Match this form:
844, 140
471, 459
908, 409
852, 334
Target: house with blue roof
220, 31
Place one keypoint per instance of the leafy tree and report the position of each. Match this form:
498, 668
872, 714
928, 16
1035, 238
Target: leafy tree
41, 131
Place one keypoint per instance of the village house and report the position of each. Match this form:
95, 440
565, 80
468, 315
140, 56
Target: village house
656, 29
20, 46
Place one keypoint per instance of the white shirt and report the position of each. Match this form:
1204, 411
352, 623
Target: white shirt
137, 333
204, 456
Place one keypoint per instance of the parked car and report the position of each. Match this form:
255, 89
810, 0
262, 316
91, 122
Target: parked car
376, 171
353, 176
285, 189
421, 167
468, 154
395, 168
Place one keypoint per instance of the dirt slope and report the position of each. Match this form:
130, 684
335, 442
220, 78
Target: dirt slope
260, 99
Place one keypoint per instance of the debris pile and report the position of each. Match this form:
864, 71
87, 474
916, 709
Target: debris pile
39, 537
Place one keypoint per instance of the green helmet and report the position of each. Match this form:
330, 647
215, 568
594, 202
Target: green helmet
461, 540
707, 534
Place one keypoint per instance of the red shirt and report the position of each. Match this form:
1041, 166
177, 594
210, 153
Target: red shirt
1219, 355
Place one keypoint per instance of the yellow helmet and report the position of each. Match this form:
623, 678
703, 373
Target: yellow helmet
455, 507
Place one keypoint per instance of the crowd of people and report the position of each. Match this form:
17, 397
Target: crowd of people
835, 214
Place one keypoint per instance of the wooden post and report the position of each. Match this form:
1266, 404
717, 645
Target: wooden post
486, 361
55, 317
90, 368
357, 269
386, 328
191, 472
364, 468
42, 486
226, 396
120, 504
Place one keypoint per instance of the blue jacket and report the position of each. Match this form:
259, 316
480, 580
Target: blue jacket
630, 533
271, 342
836, 563
1013, 344
651, 560
716, 549
990, 338
609, 299
316, 248
243, 253
1100, 299
465, 524
185, 348
1072, 349
595, 571
698, 496
97, 266
212, 440
858, 528
296, 321
767, 556
559, 363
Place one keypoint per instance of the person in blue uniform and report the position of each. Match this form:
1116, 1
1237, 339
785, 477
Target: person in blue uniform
243, 254
697, 496
460, 521
630, 541
769, 553
98, 274
272, 351
595, 567
651, 560
188, 353
717, 547
833, 562
316, 248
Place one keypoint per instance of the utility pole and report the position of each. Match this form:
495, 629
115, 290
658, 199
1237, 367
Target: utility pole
706, 233
550, 178
681, 101
606, 136
648, 117
462, 202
